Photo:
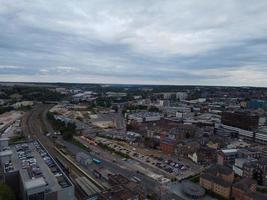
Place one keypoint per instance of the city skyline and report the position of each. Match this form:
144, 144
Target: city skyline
140, 42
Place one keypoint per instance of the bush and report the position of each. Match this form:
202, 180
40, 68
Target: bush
67, 129
6, 193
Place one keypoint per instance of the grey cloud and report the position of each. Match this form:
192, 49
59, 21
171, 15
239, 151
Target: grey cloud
147, 41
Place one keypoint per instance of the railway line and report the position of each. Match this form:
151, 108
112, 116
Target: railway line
34, 127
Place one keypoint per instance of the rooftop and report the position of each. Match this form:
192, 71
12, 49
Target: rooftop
35, 183
244, 184
229, 151
36, 167
215, 169
5, 153
216, 180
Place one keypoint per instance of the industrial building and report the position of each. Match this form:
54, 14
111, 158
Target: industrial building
32, 172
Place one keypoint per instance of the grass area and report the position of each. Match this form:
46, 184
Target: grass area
68, 130
262, 190
103, 146
111, 138
79, 144
194, 178
6, 192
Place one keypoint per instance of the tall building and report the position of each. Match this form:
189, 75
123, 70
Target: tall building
240, 120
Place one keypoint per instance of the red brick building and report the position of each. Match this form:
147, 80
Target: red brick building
242, 189
167, 143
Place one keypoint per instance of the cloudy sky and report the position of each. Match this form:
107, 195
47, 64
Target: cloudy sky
207, 42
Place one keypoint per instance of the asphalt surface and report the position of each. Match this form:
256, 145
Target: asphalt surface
148, 184
35, 125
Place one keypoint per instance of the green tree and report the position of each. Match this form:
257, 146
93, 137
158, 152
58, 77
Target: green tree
6, 193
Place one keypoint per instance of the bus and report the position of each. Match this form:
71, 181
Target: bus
96, 161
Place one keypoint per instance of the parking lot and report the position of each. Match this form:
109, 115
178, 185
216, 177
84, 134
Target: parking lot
178, 169
32, 158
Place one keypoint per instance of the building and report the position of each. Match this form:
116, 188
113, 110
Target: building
22, 104
165, 95
227, 156
240, 164
248, 169
261, 136
249, 153
240, 120
245, 189
187, 147
84, 96
33, 174
242, 189
141, 117
256, 104
116, 94
203, 156
83, 158
183, 131
264, 152
192, 190
257, 170
167, 143
164, 103
218, 179
181, 96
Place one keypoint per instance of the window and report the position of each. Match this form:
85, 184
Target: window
37, 196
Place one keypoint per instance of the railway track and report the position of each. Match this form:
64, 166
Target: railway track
34, 127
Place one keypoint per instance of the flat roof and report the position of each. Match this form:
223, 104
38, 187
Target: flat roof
6, 153
229, 150
36, 166
4, 138
35, 183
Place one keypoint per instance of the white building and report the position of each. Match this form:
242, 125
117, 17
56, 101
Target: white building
181, 96
145, 116
22, 104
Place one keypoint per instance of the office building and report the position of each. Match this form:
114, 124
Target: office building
240, 120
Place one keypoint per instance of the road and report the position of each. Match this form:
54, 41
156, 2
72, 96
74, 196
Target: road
35, 125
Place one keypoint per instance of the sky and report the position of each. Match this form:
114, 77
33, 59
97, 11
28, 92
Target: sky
181, 42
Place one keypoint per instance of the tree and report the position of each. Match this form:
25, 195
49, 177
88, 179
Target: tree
153, 109
6, 193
